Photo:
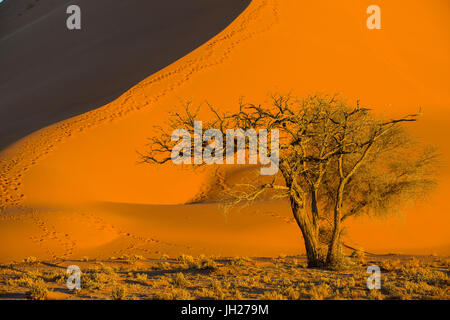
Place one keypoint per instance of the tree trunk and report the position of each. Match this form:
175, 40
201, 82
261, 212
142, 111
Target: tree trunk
310, 236
314, 257
334, 255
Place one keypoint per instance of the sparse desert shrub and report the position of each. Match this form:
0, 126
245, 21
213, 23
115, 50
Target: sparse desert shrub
414, 262
346, 293
320, 292
30, 260
237, 295
163, 282
172, 294
296, 263
278, 266
206, 293
266, 278
446, 262
24, 281
282, 256
359, 256
342, 262
207, 264
96, 279
352, 281
162, 266
137, 257
217, 289
161, 296
59, 276
165, 257
291, 294
284, 283
92, 283
223, 294
392, 291
422, 289
241, 282
240, 261
38, 291
228, 284
375, 295
118, 293
103, 269
273, 295
179, 280
186, 259
339, 283
181, 294
215, 284
34, 274
440, 293
78, 292
253, 282
141, 277
390, 265
418, 274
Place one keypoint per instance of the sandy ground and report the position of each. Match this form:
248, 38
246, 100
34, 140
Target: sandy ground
216, 277
75, 188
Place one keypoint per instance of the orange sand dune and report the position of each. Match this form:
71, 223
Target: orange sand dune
53, 175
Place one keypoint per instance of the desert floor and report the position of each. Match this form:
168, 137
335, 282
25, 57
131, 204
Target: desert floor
202, 277
74, 188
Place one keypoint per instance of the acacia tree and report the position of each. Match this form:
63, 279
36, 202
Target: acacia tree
336, 161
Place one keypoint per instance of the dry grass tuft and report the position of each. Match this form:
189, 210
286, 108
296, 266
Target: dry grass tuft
320, 292
38, 291
210, 277
30, 260
180, 281
119, 293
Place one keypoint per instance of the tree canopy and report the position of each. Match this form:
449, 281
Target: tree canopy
335, 161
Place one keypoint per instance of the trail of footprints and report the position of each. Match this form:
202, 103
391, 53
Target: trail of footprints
66, 245
134, 243
49, 233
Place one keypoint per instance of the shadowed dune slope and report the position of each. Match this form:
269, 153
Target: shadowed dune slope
50, 178
49, 73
